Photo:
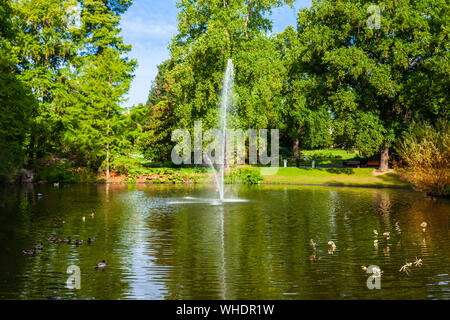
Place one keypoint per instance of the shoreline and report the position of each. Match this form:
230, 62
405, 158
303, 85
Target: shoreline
325, 177
405, 187
341, 185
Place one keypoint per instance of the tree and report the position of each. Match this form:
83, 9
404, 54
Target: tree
45, 45
210, 33
305, 110
16, 100
370, 76
160, 121
188, 85
95, 120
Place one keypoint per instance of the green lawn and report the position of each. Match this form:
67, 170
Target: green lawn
323, 157
337, 176
330, 154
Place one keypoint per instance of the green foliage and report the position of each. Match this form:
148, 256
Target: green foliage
158, 145
127, 164
90, 134
245, 174
64, 73
16, 100
188, 85
305, 116
71, 56
367, 77
95, 122
45, 45
64, 172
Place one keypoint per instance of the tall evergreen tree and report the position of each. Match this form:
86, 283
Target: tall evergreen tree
161, 119
103, 77
16, 99
45, 47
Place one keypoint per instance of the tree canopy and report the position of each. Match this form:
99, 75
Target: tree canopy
350, 74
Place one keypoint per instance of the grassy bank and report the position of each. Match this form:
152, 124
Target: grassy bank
324, 176
335, 176
246, 174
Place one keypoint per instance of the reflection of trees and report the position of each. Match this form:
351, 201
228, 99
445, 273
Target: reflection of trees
257, 250
29, 219
266, 244
13, 207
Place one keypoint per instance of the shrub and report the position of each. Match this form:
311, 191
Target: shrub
63, 172
125, 164
246, 174
425, 156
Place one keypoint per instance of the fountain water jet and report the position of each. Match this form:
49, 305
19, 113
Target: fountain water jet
226, 100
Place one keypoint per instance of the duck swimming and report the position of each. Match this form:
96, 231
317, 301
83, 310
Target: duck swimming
333, 247
39, 246
405, 267
65, 240
78, 242
90, 240
332, 244
52, 239
418, 262
101, 265
31, 252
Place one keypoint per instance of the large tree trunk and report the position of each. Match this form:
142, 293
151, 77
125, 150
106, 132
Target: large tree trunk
247, 17
296, 145
107, 153
107, 141
107, 136
384, 160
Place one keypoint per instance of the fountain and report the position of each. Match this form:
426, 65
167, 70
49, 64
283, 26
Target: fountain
226, 101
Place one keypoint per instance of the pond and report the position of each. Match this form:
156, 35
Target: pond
159, 242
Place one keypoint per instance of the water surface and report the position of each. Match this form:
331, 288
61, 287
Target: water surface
160, 242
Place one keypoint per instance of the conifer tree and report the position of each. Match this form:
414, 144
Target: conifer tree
103, 77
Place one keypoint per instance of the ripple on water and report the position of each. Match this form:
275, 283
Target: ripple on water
175, 242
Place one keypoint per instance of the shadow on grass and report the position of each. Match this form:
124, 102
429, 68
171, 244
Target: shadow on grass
347, 171
393, 179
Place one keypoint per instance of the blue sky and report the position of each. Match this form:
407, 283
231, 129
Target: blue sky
149, 26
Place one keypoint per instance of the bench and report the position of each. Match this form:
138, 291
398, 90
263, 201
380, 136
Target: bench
373, 163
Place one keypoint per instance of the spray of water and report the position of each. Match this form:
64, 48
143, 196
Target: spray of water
226, 100
208, 160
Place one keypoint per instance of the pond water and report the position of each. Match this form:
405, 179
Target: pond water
159, 242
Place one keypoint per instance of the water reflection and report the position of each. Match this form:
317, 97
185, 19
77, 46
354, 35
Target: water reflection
157, 246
